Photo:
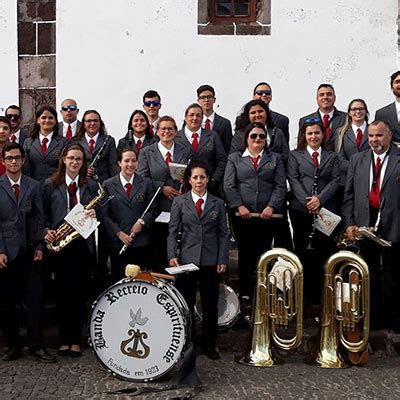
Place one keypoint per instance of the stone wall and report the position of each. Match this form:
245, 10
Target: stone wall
36, 55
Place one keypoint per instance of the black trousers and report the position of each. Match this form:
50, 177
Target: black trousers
22, 280
159, 256
313, 260
253, 237
71, 267
206, 281
282, 234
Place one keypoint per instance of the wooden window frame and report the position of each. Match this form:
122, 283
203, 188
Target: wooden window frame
223, 20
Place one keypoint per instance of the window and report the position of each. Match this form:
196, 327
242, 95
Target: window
222, 11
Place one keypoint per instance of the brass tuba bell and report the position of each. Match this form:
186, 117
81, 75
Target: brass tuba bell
278, 301
345, 310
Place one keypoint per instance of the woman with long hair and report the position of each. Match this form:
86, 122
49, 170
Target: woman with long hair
69, 186
44, 146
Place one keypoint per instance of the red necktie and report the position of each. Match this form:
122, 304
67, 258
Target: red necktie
254, 160
315, 159
199, 202
2, 167
69, 133
16, 190
195, 142
325, 122
128, 189
73, 198
168, 159
359, 138
207, 125
13, 138
151, 130
374, 194
44, 145
139, 145
91, 145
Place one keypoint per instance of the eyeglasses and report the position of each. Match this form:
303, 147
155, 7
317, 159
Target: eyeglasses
263, 92
359, 109
155, 103
209, 97
254, 136
89, 121
13, 116
10, 159
166, 129
69, 108
72, 159
308, 120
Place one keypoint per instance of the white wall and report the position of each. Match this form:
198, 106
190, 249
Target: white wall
110, 53
8, 54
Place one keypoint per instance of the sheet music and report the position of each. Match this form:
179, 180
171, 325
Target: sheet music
326, 221
164, 217
182, 268
177, 170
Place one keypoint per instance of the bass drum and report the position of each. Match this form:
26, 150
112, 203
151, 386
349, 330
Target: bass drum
228, 307
139, 328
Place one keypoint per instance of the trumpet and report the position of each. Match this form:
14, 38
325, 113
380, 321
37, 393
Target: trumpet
278, 301
345, 310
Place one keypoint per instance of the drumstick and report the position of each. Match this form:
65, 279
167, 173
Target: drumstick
132, 271
258, 215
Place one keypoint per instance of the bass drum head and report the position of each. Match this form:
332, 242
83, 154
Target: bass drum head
137, 330
228, 307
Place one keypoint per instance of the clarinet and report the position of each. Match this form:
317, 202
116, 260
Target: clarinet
130, 138
314, 193
178, 245
98, 156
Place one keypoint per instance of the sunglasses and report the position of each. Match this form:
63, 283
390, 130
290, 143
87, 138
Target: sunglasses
13, 116
254, 136
308, 120
69, 108
263, 92
155, 103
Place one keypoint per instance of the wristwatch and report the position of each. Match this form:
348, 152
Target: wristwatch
141, 221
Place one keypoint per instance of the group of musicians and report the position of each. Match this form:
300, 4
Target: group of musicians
340, 163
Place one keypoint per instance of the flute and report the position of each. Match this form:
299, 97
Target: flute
124, 247
258, 215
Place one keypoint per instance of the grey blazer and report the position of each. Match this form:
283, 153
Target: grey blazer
55, 202
107, 166
224, 129
338, 119
300, 173
124, 143
152, 165
205, 240
347, 149
243, 185
279, 144
23, 135
120, 213
37, 165
356, 196
210, 151
388, 114
21, 222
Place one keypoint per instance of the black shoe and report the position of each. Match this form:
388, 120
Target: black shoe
13, 353
75, 354
213, 354
42, 355
63, 353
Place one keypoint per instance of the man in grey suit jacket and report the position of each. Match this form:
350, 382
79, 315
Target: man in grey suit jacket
211, 120
21, 230
14, 114
326, 98
70, 124
358, 211
391, 113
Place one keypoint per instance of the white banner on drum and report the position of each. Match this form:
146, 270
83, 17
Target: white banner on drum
138, 329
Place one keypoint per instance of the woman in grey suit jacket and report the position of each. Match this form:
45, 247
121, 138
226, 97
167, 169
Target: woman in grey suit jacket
313, 174
138, 135
67, 187
45, 145
254, 182
154, 164
199, 218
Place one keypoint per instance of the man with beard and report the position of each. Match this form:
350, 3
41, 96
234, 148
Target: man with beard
372, 198
391, 113
14, 114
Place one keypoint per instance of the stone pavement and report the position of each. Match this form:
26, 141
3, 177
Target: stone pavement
222, 379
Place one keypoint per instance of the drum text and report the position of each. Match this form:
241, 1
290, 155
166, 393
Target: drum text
118, 367
98, 341
112, 296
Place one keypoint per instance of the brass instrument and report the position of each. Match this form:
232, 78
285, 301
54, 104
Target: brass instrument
278, 301
65, 233
345, 309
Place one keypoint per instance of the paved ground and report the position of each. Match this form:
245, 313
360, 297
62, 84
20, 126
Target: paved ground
223, 379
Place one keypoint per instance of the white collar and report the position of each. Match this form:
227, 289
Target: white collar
362, 127
189, 133
18, 182
311, 151
210, 118
72, 124
49, 137
95, 137
69, 180
135, 138
124, 181
382, 156
321, 113
196, 197
247, 153
164, 150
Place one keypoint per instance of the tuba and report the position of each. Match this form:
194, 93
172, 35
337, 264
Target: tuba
65, 233
278, 301
345, 310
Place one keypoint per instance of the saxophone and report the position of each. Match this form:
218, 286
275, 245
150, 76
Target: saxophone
65, 233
